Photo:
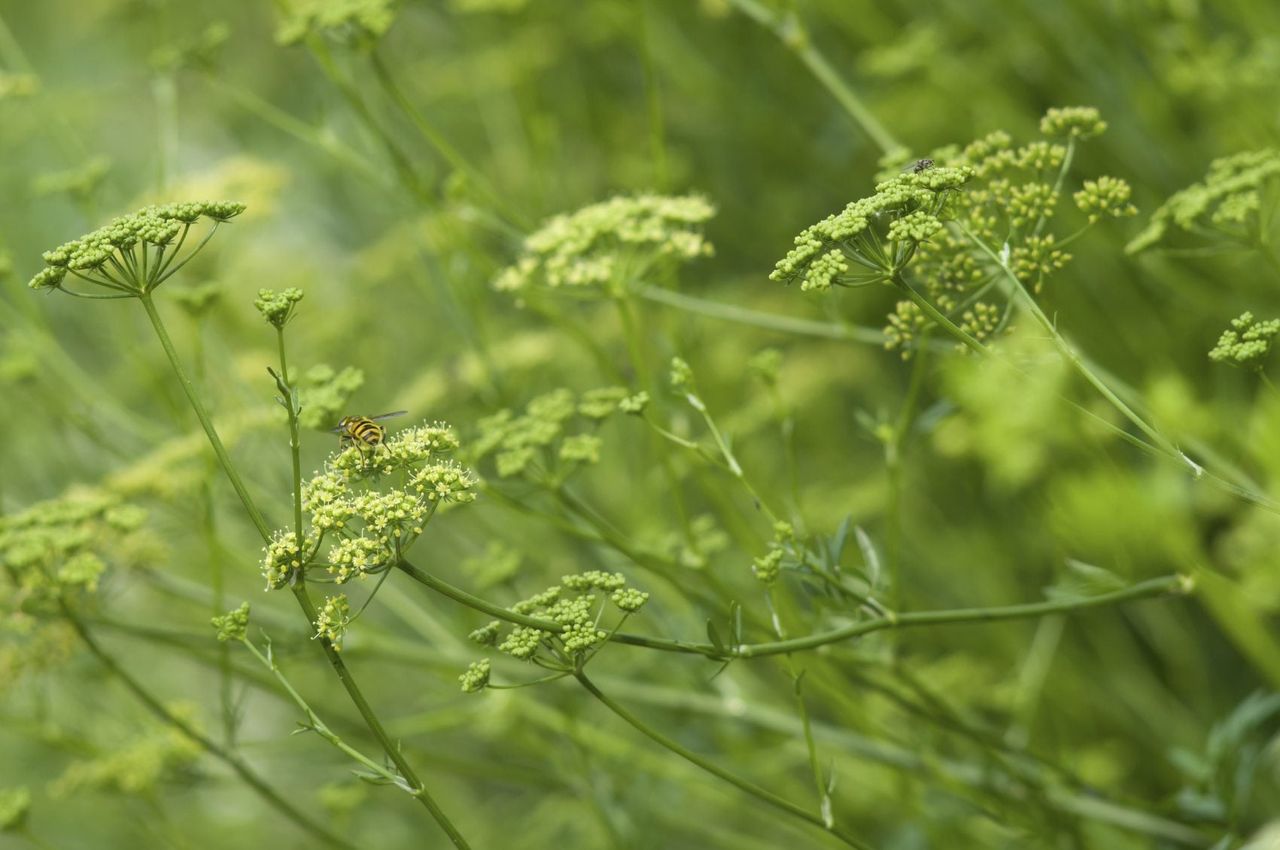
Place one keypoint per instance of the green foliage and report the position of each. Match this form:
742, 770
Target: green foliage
1022, 598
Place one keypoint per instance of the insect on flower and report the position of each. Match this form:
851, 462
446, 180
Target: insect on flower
918, 166
363, 430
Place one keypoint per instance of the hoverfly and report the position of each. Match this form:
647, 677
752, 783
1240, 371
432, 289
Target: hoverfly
918, 166
363, 430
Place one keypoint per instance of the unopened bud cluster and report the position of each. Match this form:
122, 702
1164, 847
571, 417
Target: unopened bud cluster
573, 615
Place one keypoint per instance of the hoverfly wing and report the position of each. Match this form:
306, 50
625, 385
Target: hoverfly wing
394, 413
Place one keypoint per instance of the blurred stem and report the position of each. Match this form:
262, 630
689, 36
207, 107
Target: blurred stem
759, 319
442, 145
653, 100
754, 790
300, 130
790, 31
164, 91
1057, 187
217, 578
893, 462
255, 516
157, 708
357, 101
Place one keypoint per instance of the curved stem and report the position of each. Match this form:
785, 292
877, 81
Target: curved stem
792, 34
255, 515
157, 708
754, 790
1078, 363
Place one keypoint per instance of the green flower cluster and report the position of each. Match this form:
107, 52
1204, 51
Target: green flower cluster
960, 224
354, 20
539, 439
873, 238
134, 253
333, 618
1246, 343
370, 504
277, 307
54, 549
610, 245
1226, 206
768, 566
572, 606
232, 625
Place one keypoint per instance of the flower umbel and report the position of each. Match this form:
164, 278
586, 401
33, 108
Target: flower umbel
610, 245
1246, 343
135, 253
370, 504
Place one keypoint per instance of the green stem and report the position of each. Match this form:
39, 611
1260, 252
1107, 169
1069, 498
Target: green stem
1078, 363
791, 33
754, 790
1163, 586
295, 440
419, 791
299, 588
893, 462
442, 145
318, 725
760, 319
232, 761
300, 130
259, 522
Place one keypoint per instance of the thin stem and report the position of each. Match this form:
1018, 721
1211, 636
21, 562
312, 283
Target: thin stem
300, 130
760, 319
438, 141
791, 33
295, 441
1163, 586
299, 588
893, 462
754, 790
1078, 363
653, 100
158, 709
316, 724
419, 791
255, 515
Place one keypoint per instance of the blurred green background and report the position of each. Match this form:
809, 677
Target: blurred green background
1147, 726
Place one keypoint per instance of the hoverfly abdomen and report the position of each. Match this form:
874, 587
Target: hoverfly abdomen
363, 430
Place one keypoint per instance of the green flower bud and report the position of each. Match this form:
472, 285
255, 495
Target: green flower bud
233, 624
277, 307
476, 678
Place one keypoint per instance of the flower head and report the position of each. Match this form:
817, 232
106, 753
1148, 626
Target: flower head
135, 253
277, 307
610, 245
1080, 122
1225, 206
332, 620
369, 505
1246, 343
233, 624
358, 20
